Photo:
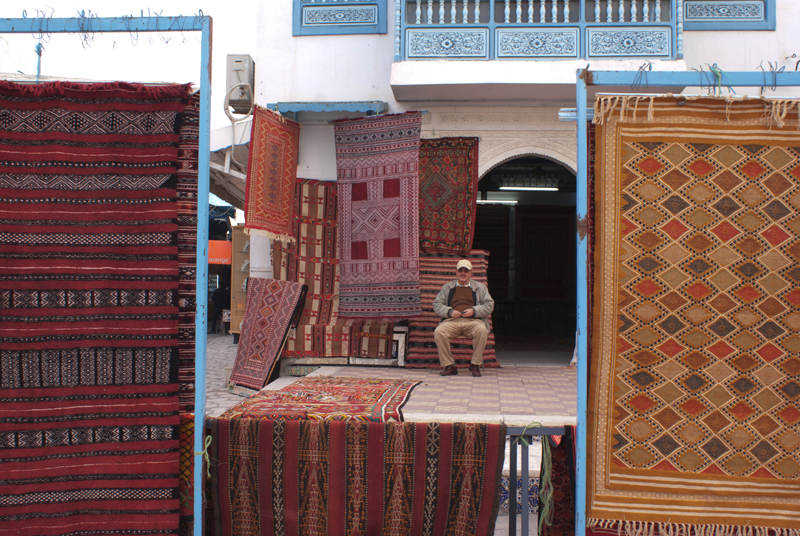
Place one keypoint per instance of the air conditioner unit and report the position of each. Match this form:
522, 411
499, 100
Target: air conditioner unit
241, 70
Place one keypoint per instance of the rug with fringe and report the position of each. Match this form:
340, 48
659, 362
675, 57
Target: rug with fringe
329, 398
694, 392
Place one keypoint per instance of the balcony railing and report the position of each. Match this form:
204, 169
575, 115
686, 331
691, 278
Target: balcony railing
538, 29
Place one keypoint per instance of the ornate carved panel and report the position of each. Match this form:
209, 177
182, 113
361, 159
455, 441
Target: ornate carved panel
339, 15
702, 10
535, 43
642, 42
437, 43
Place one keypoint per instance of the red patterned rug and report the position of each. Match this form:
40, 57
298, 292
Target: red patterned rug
558, 518
327, 397
271, 174
436, 269
329, 477
272, 307
448, 191
186, 475
377, 160
88, 308
313, 260
186, 191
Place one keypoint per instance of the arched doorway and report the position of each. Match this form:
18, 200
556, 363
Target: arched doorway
526, 220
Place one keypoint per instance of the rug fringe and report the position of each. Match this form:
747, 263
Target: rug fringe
269, 234
658, 528
240, 390
775, 110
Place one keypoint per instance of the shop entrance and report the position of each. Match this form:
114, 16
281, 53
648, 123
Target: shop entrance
526, 220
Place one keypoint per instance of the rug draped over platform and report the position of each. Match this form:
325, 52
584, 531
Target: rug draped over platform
329, 398
313, 260
329, 477
448, 192
89, 316
436, 269
271, 174
271, 307
693, 420
377, 161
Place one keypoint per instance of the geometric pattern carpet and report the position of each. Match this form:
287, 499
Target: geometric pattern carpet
448, 190
332, 477
695, 377
89, 316
313, 260
326, 397
377, 165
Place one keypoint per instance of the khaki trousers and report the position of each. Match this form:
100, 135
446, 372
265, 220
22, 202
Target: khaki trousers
453, 328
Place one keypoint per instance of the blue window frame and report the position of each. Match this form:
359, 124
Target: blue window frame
344, 17
703, 15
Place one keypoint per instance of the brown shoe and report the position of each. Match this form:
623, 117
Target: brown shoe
449, 370
475, 369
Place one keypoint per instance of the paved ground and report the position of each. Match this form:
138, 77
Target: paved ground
530, 386
516, 393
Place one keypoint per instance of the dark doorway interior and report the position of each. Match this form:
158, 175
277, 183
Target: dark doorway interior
532, 255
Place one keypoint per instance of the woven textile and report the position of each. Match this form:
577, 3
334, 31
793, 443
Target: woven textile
271, 174
561, 516
326, 397
270, 308
313, 260
694, 387
186, 474
88, 308
186, 190
329, 477
436, 269
377, 160
448, 192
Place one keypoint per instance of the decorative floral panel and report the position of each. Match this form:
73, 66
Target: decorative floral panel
315, 17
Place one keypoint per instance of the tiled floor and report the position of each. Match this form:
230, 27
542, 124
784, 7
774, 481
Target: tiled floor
516, 394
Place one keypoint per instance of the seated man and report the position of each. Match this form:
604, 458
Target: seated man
465, 306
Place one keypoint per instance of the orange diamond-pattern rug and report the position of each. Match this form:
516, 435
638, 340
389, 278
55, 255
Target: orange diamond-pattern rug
695, 379
271, 174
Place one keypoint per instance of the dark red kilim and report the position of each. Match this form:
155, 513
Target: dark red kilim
436, 269
561, 521
270, 308
377, 162
448, 191
186, 190
329, 477
88, 309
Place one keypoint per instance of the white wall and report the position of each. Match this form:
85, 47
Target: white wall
745, 51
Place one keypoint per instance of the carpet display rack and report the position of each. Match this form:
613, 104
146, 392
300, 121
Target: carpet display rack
130, 24
625, 83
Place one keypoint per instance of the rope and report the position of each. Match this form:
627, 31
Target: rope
204, 454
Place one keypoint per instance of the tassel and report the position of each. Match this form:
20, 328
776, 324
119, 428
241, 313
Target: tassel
250, 231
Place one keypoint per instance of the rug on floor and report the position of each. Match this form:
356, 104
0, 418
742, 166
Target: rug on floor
271, 174
329, 398
448, 192
693, 409
89, 317
377, 162
329, 477
436, 269
271, 309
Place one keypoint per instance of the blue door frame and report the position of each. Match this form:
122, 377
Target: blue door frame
622, 80
202, 24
